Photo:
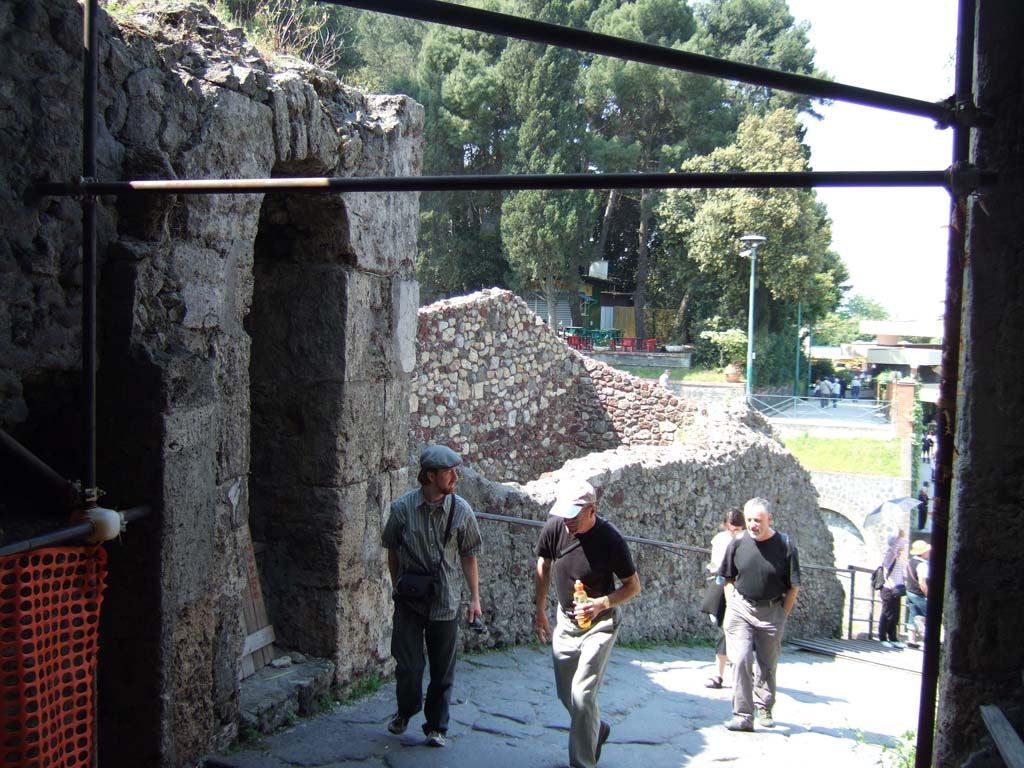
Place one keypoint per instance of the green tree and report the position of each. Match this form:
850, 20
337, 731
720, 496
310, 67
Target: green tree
702, 228
762, 33
544, 232
469, 127
843, 325
646, 118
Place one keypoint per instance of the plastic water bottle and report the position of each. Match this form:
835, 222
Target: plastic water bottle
579, 596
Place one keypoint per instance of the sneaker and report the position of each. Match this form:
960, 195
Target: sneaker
398, 724
897, 644
886, 644
739, 724
602, 736
764, 718
436, 739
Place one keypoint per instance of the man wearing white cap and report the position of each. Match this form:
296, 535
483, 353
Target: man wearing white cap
430, 534
577, 544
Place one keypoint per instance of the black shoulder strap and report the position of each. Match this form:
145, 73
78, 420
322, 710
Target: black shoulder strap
449, 502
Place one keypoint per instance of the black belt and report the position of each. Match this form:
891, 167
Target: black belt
765, 603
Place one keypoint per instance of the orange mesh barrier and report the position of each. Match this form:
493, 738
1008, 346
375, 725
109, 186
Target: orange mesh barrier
49, 626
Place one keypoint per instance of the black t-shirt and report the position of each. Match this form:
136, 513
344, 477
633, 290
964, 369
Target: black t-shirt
761, 570
602, 552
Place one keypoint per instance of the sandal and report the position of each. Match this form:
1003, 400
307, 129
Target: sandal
713, 682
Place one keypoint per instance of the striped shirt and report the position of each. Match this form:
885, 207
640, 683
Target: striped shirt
419, 526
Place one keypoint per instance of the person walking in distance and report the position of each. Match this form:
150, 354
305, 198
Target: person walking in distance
761, 570
714, 599
663, 379
430, 534
577, 544
894, 565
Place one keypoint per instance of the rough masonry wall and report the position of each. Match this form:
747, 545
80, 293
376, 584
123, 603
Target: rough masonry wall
665, 470
303, 305
676, 494
495, 383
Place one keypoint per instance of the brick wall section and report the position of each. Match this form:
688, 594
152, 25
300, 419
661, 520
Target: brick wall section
496, 384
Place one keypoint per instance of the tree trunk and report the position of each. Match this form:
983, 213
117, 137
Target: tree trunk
614, 196
640, 291
682, 326
551, 297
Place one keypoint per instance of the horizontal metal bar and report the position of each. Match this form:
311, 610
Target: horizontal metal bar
66, 535
635, 539
62, 487
748, 180
505, 25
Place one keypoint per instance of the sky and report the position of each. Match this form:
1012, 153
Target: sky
893, 241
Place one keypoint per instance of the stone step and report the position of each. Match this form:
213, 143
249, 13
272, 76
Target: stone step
291, 686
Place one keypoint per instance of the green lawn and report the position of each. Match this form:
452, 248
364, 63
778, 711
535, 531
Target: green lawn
857, 455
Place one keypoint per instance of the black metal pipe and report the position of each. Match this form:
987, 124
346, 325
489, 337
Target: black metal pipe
955, 260
639, 540
631, 50
90, 67
749, 180
60, 486
66, 535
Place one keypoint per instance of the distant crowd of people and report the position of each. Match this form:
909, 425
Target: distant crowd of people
832, 388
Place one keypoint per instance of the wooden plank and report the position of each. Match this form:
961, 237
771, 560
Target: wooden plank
258, 640
253, 609
1009, 744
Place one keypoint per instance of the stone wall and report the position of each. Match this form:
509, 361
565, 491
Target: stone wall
674, 494
295, 309
495, 383
665, 468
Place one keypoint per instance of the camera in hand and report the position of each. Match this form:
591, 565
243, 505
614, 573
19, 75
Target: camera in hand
477, 625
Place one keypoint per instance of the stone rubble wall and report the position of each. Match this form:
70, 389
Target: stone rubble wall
255, 349
672, 494
527, 414
496, 384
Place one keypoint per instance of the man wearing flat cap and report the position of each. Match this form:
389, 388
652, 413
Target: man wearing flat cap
578, 544
429, 535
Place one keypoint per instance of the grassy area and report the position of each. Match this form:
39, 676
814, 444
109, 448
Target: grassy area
858, 455
677, 375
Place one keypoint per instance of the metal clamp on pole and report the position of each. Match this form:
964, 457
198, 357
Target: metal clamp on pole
966, 179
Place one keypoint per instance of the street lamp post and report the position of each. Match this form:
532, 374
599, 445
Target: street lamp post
751, 241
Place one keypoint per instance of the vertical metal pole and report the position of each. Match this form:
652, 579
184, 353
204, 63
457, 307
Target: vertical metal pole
89, 78
853, 593
90, 68
796, 373
810, 343
955, 260
750, 322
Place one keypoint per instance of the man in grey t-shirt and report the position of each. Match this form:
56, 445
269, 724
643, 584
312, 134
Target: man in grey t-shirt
430, 534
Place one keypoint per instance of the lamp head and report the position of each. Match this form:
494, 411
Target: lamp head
753, 240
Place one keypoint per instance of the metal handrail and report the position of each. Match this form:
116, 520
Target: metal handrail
788, 406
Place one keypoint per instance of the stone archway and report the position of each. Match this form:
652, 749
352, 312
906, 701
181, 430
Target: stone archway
298, 328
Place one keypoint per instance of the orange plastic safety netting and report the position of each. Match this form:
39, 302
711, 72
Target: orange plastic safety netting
49, 626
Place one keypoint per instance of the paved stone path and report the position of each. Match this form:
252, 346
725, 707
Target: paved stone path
505, 714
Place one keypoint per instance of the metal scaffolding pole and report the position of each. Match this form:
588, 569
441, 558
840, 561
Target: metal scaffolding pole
955, 260
962, 177
566, 37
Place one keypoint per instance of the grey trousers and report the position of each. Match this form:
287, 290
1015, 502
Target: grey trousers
753, 633
580, 659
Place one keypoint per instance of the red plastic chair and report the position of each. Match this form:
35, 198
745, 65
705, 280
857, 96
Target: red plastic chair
573, 341
649, 345
628, 344
611, 345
